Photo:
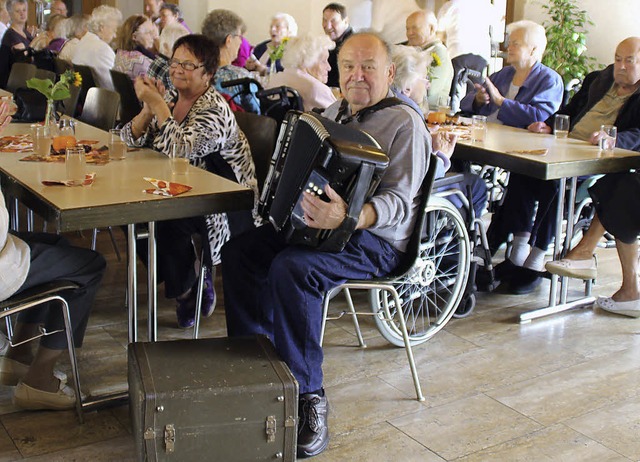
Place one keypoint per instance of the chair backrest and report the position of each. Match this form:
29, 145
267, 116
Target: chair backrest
129, 104
20, 73
276, 102
100, 108
61, 66
88, 81
45, 74
413, 247
70, 105
261, 132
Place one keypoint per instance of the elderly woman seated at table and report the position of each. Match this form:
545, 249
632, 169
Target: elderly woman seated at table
28, 260
76, 27
522, 93
282, 27
94, 50
224, 28
134, 44
306, 69
54, 36
194, 113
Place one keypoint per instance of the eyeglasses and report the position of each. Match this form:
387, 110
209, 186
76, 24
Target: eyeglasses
186, 65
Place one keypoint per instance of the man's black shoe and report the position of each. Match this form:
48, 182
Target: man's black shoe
505, 271
313, 432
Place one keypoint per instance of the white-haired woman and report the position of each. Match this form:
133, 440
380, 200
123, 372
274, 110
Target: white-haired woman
159, 68
520, 94
94, 48
282, 27
306, 69
410, 81
76, 27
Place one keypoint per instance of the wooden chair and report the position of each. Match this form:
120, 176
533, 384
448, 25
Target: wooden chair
36, 296
20, 73
100, 108
129, 104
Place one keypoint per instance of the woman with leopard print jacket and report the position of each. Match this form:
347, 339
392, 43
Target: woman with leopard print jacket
193, 112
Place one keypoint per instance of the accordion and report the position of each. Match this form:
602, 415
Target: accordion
312, 151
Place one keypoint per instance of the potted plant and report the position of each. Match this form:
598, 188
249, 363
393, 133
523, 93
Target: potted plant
566, 40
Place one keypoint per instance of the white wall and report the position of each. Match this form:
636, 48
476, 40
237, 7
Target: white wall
613, 20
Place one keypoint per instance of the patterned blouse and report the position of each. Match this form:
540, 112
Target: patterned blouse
209, 127
133, 63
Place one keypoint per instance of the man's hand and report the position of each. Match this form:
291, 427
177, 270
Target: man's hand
324, 215
482, 97
444, 142
539, 127
596, 137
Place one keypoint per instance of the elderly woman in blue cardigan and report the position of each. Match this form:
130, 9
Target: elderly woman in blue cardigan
520, 94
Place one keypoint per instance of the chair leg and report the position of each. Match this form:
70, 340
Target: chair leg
94, 239
113, 243
72, 356
354, 316
325, 311
407, 343
201, 276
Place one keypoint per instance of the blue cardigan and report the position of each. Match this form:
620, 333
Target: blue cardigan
539, 96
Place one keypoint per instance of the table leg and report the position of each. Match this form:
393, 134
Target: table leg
560, 249
152, 286
132, 284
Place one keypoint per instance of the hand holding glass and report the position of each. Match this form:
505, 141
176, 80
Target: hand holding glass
117, 146
478, 128
179, 158
41, 140
561, 126
75, 163
607, 141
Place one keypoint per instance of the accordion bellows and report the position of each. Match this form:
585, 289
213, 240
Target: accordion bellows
312, 151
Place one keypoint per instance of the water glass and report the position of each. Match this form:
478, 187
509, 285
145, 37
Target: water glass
179, 158
561, 126
607, 142
41, 140
75, 164
444, 105
117, 146
478, 128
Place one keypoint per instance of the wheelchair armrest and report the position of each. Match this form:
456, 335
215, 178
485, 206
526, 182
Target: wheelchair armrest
447, 180
245, 83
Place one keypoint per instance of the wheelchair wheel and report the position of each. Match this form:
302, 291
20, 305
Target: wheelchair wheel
431, 290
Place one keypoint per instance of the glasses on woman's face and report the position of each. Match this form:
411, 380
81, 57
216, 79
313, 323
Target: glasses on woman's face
186, 65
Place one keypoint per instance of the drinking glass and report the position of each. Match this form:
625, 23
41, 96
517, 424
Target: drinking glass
444, 105
41, 140
117, 146
561, 126
607, 142
75, 163
179, 158
478, 128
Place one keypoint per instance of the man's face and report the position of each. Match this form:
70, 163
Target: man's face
417, 30
152, 8
59, 7
365, 71
333, 24
626, 67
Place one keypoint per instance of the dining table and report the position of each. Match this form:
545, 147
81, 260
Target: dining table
546, 157
117, 197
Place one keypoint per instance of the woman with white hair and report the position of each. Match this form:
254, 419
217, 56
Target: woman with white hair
54, 36
520, 94
306, 69
410, 82
76, 28
282, 27
524, 92
94, 48
159, 68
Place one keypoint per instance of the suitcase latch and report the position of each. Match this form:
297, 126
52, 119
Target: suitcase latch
271, 429
169, 438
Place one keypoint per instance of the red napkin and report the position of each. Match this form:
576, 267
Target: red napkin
88, 181
166, 188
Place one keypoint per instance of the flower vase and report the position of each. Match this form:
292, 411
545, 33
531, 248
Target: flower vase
50, 117
272, 70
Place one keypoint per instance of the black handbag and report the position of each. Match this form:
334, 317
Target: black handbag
32, 105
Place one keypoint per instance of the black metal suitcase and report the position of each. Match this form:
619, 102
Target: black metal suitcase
221, 399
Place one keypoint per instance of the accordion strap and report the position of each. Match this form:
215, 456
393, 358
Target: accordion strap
362, 114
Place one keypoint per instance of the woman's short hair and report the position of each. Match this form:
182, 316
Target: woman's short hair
304, 51
175, 9
203, 48
10, 3
76, 25
411, 64
168, 37
101, 15
534, 35
292, 25
221, 23
56, 25
125, 39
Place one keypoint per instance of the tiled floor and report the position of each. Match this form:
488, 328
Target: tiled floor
565, 388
